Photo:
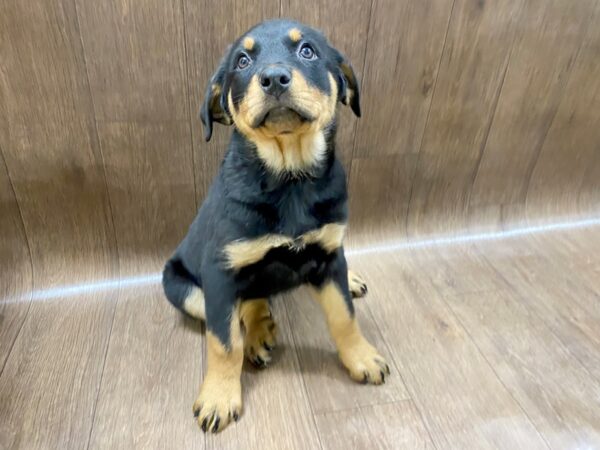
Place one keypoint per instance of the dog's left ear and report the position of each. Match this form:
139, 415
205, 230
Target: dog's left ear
348, 84
214, 108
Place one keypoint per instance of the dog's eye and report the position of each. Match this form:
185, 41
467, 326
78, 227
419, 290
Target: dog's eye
307, 52
243, 62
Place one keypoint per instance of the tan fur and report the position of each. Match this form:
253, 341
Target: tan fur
218, 114
361, 359
295, 34
194, 304
248, 43
221, 392
329, 236
260, 330
245, 252
348, 98
242, 253
303, 144
356, 285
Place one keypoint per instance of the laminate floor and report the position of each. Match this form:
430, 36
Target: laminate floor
493, 343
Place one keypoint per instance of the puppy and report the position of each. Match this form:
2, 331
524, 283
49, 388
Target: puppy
275, 216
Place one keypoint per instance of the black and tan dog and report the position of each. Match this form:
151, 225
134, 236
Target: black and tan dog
275, 215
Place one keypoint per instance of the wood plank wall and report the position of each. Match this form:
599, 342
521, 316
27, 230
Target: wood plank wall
476, 115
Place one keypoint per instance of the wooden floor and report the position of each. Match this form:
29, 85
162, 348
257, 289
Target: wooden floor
493, 344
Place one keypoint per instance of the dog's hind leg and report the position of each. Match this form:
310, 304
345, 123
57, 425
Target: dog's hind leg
259, 338
357, 286
183, 290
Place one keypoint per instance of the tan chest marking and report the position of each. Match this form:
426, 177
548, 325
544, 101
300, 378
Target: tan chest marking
243, 253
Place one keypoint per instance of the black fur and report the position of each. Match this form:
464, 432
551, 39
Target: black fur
247, 200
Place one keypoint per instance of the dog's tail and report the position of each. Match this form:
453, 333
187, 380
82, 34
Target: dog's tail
182, 289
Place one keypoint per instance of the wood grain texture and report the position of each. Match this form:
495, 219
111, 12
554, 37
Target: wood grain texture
535, 366
568, 161
151, 190
135, 58
394, 425
471, 75
151, 377
319, 359
349, 36
405, 42
564, 301
49, 143
447, 377
540, 64
16, 273
369, 201
50, 382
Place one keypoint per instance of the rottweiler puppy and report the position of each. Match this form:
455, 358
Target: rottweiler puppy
275, 216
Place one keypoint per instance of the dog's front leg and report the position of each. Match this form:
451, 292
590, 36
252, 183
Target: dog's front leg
220, 398
361, 359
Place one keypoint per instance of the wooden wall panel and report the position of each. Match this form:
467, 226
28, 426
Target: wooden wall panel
135, 57
470, 78
16, 274
136, 65
539, 68
49, 142
370, 201
151, 190
569, 159
405, 42
59, 183
210, 27
347, 30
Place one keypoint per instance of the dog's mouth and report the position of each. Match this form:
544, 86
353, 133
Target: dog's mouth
282, 119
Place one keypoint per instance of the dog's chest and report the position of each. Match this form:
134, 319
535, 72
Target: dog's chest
246, 252
293, 234
283, 263
272, 263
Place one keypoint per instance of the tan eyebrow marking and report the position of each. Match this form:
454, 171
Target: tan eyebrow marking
295, 34
248, 43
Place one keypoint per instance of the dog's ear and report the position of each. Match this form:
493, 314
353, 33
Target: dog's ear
348, 84
214, 108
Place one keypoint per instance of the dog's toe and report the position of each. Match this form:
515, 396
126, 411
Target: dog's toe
357, 286
365, 364
219, 402
259, 342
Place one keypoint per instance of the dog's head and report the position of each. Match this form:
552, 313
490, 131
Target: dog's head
280, 78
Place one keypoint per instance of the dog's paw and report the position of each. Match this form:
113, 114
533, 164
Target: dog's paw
219, 402
357, 286
365, 364
259, 341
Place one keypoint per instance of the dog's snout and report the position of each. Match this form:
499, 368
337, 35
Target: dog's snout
275, 80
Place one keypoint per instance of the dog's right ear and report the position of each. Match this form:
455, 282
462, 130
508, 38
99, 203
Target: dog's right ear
214, 108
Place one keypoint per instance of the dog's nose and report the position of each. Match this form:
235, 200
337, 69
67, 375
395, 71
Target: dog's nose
275, 80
